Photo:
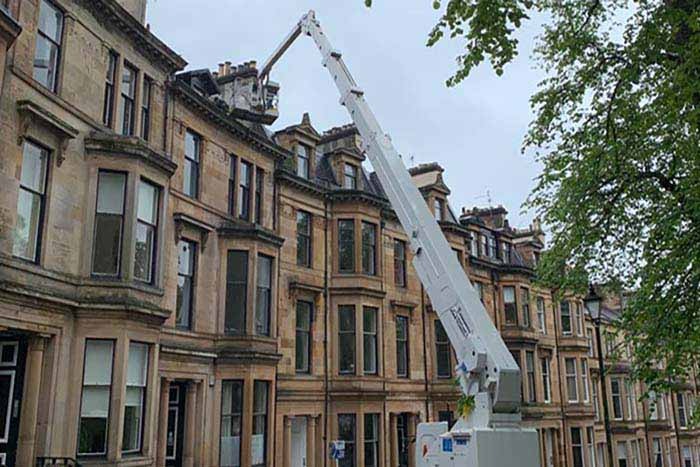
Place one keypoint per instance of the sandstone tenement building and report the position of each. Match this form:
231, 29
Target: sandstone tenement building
182, 286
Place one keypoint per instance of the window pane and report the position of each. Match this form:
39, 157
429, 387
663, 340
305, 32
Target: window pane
346, 329
27, 228
236, 290
259, 438
50, 21
346, 235
45, 62
108, 232
185, 282
94, 410
143, 264
346, 432
33, 168
370, 339
110, 192
231, 410
368, 248
264, 295
148, 202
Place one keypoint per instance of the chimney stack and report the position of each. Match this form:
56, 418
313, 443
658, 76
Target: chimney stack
227, 68
137, 9
221, 69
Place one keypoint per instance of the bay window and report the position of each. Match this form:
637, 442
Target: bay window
530, 373
146, 232
109, 223
525, 305
372, 440
509, 305
565, 312
304, 239
400, 263
263, 302
402, 346
303, 161
258, 446
541, 319
571, 379
259, 184
616, 396
232, 171
136, 377
31, 202
95, 401
346, 245
128, 97
245, 182
442, 351
236, 291
584, 379
110, 82
231, 423
146, 93
369, 339
369, 248
546, 379
346, 339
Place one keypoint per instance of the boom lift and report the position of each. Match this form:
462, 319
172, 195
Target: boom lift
492, 434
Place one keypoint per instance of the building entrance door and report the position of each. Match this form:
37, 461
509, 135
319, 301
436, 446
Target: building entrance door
176, 424
299, 441
12, 355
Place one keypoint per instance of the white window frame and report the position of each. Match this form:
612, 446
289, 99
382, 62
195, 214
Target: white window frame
573, 375
585, 381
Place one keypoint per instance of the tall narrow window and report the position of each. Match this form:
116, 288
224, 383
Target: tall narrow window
369, 340
136, 377
304, 239
97, 389
682, 415
303, 167
525, 305
438, 209
442, 351
346, 432
577, 447
589, 340
483, 247
231, 423
596, 400
584, 379
346, 339
259, 184
505, 252
509, 305
31, 203
146, 108
350, 180
530, 368
259, 442
616, 396
579, 318
109, 223
400, 263
657, 453
303, 336
264, 296
369, 248
479, 286
546, 379
622, 454
186, 262
402, 346
236, 291
474, 245
631, 399
541, 320
371, 440
493, 248
128, 90
146, 232
232, 170
110, 81
346, 245
246, 178
48, 45
590, 439
571, 379
565, 317
193, 153
687, 457
446, 416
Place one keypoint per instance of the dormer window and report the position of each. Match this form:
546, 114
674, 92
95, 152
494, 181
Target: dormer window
350, 179
439, 207
303, 161
505, 252
493, 248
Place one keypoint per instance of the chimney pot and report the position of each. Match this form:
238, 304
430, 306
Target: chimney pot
227, 68
221, 69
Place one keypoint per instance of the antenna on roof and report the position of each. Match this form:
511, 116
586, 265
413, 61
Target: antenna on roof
487, 196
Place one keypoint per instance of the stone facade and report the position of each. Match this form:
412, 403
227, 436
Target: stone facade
182, 287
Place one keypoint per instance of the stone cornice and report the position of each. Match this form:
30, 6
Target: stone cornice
130, 146
237, 229
221, 117
114, 15
285, 176
358, 195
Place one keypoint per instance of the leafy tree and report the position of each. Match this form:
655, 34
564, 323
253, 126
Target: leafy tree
616, 128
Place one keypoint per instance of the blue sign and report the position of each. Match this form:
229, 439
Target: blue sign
447, 445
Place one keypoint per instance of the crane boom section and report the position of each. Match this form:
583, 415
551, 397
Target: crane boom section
485, 363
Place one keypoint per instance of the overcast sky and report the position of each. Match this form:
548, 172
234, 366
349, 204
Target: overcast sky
474, 131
